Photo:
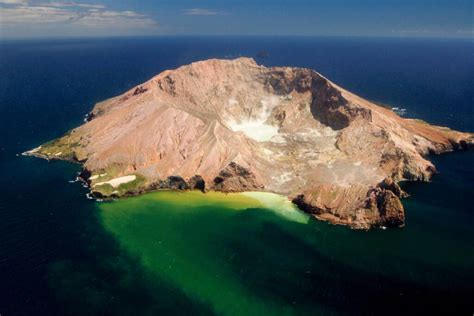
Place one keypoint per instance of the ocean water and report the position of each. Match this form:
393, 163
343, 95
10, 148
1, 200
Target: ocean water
188, 253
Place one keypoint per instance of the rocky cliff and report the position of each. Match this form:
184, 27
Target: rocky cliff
232, 125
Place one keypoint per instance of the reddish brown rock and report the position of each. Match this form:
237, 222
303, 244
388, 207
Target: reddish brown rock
245, 127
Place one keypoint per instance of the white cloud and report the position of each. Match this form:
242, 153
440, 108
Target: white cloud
197, 11
75, 4
115, 18
13, 1
73, 14
34, 15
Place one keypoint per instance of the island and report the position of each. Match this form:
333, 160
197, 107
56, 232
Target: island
234, 126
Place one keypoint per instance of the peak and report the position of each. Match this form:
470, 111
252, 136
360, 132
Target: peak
240, 60
246, 60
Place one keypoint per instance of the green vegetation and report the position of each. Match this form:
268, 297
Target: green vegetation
107, 189
65, 147
138, 183
104, 189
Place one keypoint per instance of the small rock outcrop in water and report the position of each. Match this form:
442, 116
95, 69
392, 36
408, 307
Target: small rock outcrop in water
232, 125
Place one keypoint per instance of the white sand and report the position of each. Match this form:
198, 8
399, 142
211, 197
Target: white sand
96, 176
118, 181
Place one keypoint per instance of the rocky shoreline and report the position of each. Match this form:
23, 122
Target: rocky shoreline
384, 200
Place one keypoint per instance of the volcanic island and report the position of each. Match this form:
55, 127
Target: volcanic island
236, 126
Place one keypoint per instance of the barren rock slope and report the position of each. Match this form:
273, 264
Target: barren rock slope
231, 125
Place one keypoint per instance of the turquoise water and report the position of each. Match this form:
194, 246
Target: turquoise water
188, 253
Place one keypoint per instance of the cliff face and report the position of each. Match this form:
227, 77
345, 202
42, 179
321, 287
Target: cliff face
231, 125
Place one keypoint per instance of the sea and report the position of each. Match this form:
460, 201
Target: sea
172, 253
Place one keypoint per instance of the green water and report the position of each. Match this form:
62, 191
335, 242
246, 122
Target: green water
61, 254
255, 254
190, 240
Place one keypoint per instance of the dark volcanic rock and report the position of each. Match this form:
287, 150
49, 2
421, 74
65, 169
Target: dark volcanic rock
177, 183
391, 210
197, 183
235, 178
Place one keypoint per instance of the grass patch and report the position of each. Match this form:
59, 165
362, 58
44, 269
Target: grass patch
138, 183
104, 189
107, 189
65, 147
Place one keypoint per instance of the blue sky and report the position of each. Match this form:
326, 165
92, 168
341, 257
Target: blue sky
399, 18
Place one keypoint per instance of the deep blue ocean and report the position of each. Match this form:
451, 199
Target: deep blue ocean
56, 258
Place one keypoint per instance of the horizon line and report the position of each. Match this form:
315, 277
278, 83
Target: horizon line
61, 37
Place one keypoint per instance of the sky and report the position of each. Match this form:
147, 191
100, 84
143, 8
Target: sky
386, 18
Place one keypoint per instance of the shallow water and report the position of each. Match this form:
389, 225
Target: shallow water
239, 256
192, 240
174, 253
